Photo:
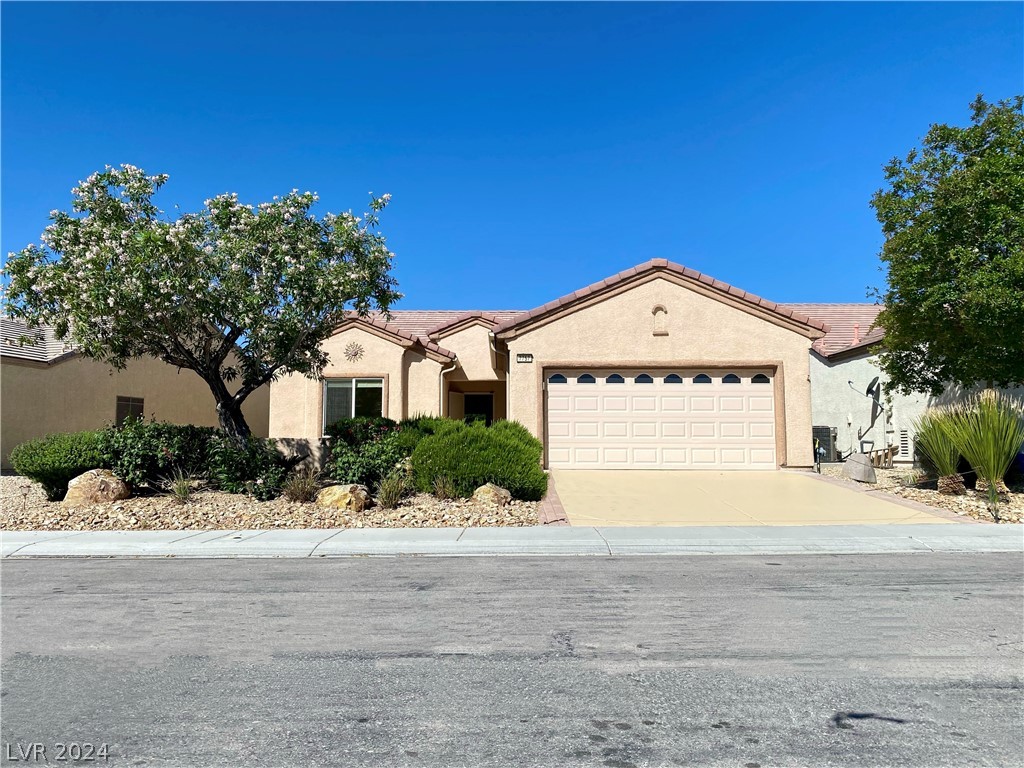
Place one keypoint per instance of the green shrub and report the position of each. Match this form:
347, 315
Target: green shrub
988, 431
393, 489
431, 425
407, 438
253, 467
475, 455
361, 430
516, 431
145, 452
368, 464
54, 460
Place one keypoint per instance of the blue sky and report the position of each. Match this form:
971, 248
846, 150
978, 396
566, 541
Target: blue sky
530, 149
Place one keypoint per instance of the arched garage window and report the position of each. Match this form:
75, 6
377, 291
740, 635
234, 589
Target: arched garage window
673, 378
556, 378
730, 378
585, 378
701, 378
760, 378
643, 378
615, 379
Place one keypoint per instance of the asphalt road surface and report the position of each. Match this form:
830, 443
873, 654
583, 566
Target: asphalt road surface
867, 660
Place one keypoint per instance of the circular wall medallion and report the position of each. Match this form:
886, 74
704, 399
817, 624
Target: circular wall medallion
353, 352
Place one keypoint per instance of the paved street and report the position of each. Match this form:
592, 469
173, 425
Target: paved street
850, 660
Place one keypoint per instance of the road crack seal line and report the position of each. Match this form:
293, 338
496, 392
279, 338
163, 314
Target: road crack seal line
607, 545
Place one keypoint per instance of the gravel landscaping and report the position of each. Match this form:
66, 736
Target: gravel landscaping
973, 504
23, 506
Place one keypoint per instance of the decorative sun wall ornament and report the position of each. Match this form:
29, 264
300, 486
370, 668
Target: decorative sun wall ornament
353, 352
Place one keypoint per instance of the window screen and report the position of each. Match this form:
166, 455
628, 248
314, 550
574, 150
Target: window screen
128, 407
369, 397
346, 398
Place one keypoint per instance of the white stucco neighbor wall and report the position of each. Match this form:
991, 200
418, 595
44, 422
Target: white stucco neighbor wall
835, 404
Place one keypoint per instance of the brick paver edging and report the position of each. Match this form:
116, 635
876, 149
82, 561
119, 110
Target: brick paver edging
550, 511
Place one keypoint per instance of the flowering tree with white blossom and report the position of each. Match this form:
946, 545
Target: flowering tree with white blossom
238, 294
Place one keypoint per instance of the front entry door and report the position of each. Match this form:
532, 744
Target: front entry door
479, 406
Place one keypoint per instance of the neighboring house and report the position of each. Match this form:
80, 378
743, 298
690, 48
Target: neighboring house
844, 364
849, 392
48, 387
656, 367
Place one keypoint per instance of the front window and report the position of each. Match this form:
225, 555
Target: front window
347, 398
128, 408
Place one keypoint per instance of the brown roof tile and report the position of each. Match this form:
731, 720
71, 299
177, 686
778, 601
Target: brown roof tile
850, 325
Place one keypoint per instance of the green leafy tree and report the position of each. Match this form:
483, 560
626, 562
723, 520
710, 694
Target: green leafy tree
238, 294
953, 218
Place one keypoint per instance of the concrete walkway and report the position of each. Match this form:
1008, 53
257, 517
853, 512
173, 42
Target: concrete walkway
664, 497
687, 540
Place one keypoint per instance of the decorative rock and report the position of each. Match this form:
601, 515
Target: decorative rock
97, 486
353, 498
492, 494
858, 467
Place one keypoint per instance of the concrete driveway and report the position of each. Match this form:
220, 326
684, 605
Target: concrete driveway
665, 497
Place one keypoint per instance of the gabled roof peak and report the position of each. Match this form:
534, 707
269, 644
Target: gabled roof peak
652, 267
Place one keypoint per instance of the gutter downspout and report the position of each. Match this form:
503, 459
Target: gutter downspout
508, 364
440, 386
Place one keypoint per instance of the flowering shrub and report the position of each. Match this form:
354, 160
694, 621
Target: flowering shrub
147, 452
362, 429
233, 292
368, 464
253, 467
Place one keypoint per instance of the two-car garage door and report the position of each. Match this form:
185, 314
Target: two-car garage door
660, 419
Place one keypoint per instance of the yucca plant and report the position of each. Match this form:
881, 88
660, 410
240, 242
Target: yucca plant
935, 443
989, 432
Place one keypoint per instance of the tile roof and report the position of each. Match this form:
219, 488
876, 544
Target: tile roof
667, 266
476, 314
850, 325
421, 322
45, 347
376, 320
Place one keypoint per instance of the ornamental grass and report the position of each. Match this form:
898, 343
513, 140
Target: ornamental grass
934, 441
988, 431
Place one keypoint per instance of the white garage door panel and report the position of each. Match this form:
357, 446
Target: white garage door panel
661, 425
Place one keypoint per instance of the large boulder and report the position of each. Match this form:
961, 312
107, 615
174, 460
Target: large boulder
858, 467
97, 486
352, 498
492, 494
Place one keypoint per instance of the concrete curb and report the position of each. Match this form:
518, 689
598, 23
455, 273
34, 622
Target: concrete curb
551, 540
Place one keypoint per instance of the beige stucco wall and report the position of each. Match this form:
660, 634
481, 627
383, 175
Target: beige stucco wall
472, 347
78, 394
410, 384
619, 330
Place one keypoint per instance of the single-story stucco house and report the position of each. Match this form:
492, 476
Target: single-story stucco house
48, 387
658, 366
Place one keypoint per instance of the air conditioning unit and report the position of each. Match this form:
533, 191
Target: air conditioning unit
825, 437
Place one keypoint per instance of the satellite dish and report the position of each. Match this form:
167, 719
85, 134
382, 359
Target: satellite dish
871, 386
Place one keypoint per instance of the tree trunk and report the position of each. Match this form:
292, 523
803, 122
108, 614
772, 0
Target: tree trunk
232, 421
